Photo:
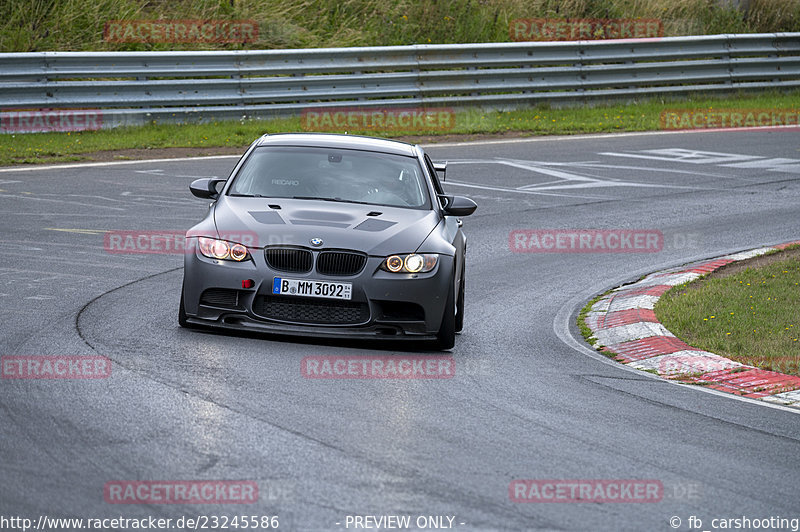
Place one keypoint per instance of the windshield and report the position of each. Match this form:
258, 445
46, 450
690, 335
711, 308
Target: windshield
332, 174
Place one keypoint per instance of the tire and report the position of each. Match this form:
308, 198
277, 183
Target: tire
446, 337
460, 303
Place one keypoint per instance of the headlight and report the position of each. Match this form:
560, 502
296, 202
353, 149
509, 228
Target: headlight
394, 263
238, 252
222, 250
413, 263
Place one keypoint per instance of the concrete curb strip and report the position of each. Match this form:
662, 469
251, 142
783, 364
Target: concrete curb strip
625, 327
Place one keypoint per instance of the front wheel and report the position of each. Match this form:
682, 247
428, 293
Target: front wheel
446, 337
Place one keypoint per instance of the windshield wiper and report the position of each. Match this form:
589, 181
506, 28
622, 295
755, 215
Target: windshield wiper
338, 200
239, 195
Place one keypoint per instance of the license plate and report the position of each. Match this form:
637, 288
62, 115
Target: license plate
308, 288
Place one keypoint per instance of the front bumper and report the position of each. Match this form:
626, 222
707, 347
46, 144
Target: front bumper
383, 304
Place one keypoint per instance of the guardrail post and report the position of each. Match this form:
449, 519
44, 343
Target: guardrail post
361, 97
775, 55
579, 65
727, 58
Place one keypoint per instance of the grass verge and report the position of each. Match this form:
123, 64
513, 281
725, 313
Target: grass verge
746, 311
586, 332
76, 25
235, 135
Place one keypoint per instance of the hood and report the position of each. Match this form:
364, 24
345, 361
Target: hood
375, 229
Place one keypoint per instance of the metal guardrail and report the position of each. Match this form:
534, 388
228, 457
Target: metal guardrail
136, 87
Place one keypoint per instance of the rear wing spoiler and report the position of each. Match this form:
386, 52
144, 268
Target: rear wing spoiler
441, 168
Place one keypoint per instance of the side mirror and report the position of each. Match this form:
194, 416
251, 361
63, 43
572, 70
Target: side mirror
459, 206
205, 188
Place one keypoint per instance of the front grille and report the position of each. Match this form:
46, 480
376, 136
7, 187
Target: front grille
301, 310
220, 297
340, 262
294, 260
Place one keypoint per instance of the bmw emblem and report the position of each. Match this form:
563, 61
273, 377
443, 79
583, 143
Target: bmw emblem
316, 242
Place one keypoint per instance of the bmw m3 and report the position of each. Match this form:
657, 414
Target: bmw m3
332, 236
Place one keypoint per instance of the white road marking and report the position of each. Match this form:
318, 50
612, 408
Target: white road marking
727, 160
114, 163
20, 244
188, 219
603, 184
567, 180
139, 200
650, 169
79, 196
78, 231
791, 166
682, 155
60, 201
162, 173
517, 191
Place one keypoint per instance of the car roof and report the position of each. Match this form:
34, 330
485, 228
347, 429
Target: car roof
331, 140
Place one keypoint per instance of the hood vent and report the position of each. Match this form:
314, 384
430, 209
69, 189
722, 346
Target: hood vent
373, 225
267, 217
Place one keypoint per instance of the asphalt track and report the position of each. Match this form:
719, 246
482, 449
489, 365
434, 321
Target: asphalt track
528, 401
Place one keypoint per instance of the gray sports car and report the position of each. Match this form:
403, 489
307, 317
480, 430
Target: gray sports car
329, 235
